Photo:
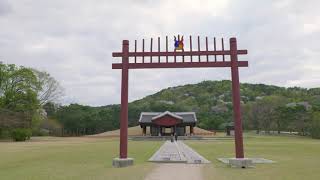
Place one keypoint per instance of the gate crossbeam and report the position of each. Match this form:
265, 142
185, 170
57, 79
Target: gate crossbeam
179, 65
178, 53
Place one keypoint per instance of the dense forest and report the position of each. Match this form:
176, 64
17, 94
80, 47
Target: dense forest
264, 107
27, 101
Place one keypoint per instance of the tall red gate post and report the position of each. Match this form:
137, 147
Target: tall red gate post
236, 98
239, 161
123, 159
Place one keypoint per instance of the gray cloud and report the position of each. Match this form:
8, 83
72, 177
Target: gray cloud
5, 8
73, 40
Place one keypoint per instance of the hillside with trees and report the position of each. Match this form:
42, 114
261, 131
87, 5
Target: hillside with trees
28, 105
264, 108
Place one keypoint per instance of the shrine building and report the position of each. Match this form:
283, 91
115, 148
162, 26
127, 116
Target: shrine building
167, 123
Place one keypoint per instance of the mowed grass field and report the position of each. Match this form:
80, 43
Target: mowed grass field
90, 158
296, 158
72, 158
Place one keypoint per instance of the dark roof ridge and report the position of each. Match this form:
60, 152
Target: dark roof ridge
167, 113
186, 116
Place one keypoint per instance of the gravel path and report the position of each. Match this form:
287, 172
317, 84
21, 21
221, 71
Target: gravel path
176, 171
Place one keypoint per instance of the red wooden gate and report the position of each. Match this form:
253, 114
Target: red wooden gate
233, 63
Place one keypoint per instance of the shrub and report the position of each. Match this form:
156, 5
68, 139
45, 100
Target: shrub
21, 134
315, 126
4, 134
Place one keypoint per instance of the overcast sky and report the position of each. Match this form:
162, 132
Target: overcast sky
73, 41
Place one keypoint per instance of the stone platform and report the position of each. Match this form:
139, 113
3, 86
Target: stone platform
244, 162
177, 152
118, 162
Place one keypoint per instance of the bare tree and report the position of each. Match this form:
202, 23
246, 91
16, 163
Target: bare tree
51, 90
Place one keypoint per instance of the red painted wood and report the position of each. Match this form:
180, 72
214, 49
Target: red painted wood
151, 43
166, 48
179, 53
158, 49
182, 56
167, 121
207, 48
124, 101
180, 65
190, 47
142, 51
236, 99
234, 64
222, 46
215, 48
174, 56
135, 50
199, 58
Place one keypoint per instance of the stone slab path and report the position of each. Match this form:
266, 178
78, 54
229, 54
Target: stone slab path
177, 152
176, 171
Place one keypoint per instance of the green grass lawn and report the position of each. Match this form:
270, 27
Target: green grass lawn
297, 158
61, 159
89, 158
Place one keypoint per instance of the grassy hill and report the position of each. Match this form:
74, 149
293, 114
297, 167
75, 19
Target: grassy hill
211, 100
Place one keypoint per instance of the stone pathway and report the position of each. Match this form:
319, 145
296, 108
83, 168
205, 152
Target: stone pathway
177, 152
176, 171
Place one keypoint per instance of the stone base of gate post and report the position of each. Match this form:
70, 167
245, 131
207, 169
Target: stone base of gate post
240, 162
122, 162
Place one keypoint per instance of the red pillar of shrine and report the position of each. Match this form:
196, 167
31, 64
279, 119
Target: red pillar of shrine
236, 99
124, 101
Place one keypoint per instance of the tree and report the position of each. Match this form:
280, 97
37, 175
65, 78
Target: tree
18, 99
50, 109
49, 90
300, 119
282, 118
315, 125
18, 88
261, 113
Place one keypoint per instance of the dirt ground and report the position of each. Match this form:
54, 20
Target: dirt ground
176, 171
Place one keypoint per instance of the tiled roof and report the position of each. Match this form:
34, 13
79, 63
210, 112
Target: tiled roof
167, 113
187, 117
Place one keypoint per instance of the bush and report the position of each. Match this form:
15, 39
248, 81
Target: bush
4, 134
315, 126
21, 134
